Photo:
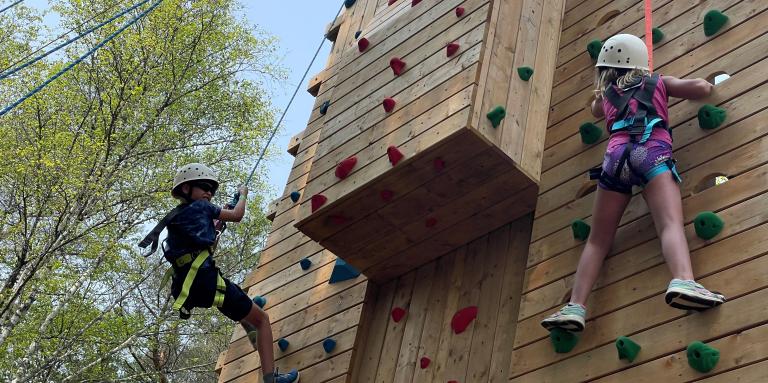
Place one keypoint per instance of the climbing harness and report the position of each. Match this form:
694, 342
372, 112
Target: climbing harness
196, 260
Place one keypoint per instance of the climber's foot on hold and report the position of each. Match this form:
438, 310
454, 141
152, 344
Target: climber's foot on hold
570, 318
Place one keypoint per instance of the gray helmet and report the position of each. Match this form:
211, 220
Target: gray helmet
623, 51
193, 172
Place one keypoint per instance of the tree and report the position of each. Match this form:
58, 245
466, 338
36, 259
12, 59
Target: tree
87, 167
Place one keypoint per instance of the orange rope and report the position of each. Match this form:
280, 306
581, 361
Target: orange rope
649, 33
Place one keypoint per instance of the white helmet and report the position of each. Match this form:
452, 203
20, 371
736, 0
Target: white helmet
623, 51
192, 172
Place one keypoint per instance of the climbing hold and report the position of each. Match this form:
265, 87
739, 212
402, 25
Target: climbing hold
563, 340
389, 104
357, 34
260, 301
657, 35
337, 219
710, 116
397, 65
438, 164
590, 133
318, 200
627, 348
305, 264
345, 167
295, 196
594, 48
525, 72
342, 271
463, 318
397, 314
424, 362
414, 2
349, 3
390, 2
713, 21
707, 225
283, 344
701, 357
430, 222
459, 11
496, 115
580, 230
329, 344
453, 381
452, 48
324, 107
394, 155
362, 44
386, 195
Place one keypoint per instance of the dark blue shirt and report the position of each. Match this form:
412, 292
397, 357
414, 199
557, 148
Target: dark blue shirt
192, 229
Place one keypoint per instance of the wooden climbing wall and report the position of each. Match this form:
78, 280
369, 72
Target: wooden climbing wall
628, 298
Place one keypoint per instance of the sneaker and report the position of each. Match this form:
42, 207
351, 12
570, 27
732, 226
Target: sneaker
570, 318
689, 295
291, 377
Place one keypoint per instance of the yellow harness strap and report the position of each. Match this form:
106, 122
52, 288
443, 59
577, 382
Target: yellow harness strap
221, 287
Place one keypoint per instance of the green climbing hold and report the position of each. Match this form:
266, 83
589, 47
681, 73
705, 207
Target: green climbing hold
711, 117
525, 72
708, 225
580, 229
701, 357
627, 348
590, 133
496, 115
657, 34
594, 48
564, 341
713, 21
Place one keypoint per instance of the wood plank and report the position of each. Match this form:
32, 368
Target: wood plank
283, 277
365, 371
440, 359
319, 373
284, 261
391, 347
588, 21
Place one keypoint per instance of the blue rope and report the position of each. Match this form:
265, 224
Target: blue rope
10, 6
81, 58
88, 31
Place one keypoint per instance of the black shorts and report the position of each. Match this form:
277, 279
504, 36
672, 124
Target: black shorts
236, 305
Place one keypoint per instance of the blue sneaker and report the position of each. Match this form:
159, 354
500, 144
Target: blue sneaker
291, 377
569, 318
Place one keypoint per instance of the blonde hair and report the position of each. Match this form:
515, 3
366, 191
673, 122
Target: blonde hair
623, 78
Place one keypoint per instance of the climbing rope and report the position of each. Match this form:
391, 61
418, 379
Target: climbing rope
11, 6
6, 74
81, 58
649, 32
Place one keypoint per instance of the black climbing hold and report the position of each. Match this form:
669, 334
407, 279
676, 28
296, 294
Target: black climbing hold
324, 107
496, 115
708, 225
525, 72
357, 34
580, 230
701, 357
305, 264
349, 3
713, 21
342, 271
295, 196
260, 301
710, 116
283, 344
329, 344
590, 133
563, 340
658, 35
627, 348
594, 48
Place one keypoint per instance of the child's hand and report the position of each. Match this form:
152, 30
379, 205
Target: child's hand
243, 190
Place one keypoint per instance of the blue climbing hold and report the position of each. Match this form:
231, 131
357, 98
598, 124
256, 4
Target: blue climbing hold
305, 264
357, 34
295, 196
328, 345
324, 107
349, 3
342, 271
260, 301
283, 344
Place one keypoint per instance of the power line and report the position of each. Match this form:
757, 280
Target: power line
10, 6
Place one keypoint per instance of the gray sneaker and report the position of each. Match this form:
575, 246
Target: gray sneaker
689, 295
570, 318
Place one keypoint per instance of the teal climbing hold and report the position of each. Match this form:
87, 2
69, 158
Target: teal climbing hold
525, 72
342, 271
349, 3
707, 225
305, 264
713, 21
657, 35
329, 344
260, 301
295, 196
564, 341
357, 34
283, 344
711, 117
324, 107
590, 133
627, 348
701, 357
593, 48
496, 115
580, 230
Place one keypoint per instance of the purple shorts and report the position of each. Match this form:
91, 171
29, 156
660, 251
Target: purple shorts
644, 162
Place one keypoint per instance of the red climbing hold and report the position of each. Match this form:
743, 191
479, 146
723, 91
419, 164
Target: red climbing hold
439, 164
394, 155
338, 219
414, 2
424, 362
452, 48
459, 11
387, 195
397, 314
390, 2
389, 104
397, 65
345, 167
318, 200
463, 318
431, 222
362, 44
453, 381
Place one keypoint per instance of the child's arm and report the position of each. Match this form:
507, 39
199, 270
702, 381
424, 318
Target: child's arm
236, 214
597, 107
690, 89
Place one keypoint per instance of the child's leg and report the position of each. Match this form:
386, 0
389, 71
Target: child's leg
259, 319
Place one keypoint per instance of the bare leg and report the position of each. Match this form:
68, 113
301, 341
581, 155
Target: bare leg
606, 214
663, 197
259, 319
